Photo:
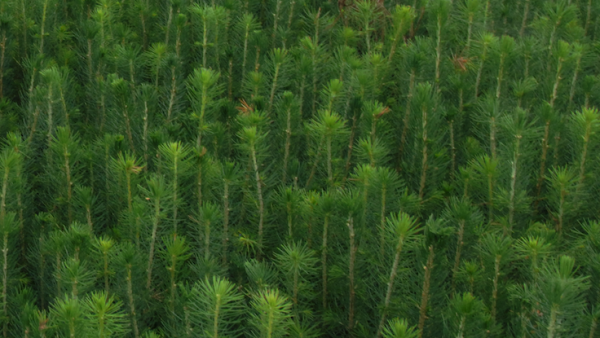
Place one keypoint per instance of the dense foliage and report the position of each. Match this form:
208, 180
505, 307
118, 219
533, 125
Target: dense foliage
302, 168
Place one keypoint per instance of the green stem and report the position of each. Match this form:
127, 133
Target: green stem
424, 163
406, 119
552, 325
525, 14
152, 242
425, 292
261, 204
225, 222
206, 240
459, 244
132, 312
324, 260
351, 277
495, 288
390, 286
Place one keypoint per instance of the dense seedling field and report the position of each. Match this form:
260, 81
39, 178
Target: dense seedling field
299, 168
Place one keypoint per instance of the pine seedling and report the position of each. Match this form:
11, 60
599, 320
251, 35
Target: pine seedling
208, 218
271, 314
470, 271
467, 313
293, 6
402, 20
175, 254
126, 260
519, 132
588, 85
373, 122
426, 102
315, 53
467, 217
124, 105
536, 250
156, 56
175, 90
289, 199
51, 77
557, 19
230, 175
304, 329
288, 111
128, 60
327, 128
487, 40
27, 311
105, 314
211, 22
68, 317
548, 115
387, 182
415, 60
104, 246
78, 241
261, 275
176, 165
584, 125
20, 182
433, 243
560, 294
302, 66
297, 264
255, 88
8, 226
486, 167
371, 151
217, 307
202, 92
379, 69
185, 299
77, 279
156, 193
5, 50
529, 48
399, 328
147, 98
129, 166
588, 251
563, 55
45, 25
522, 88
54, 246
351, 204
253, 143
366, 14
278, 60
245, 29
563, 196
64, 147
525, 17
468, 13
402, 229
325, 207
505, 51
61, 79
497, 249
85, 200
577, 54
363, 180
439, 11
332, 92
